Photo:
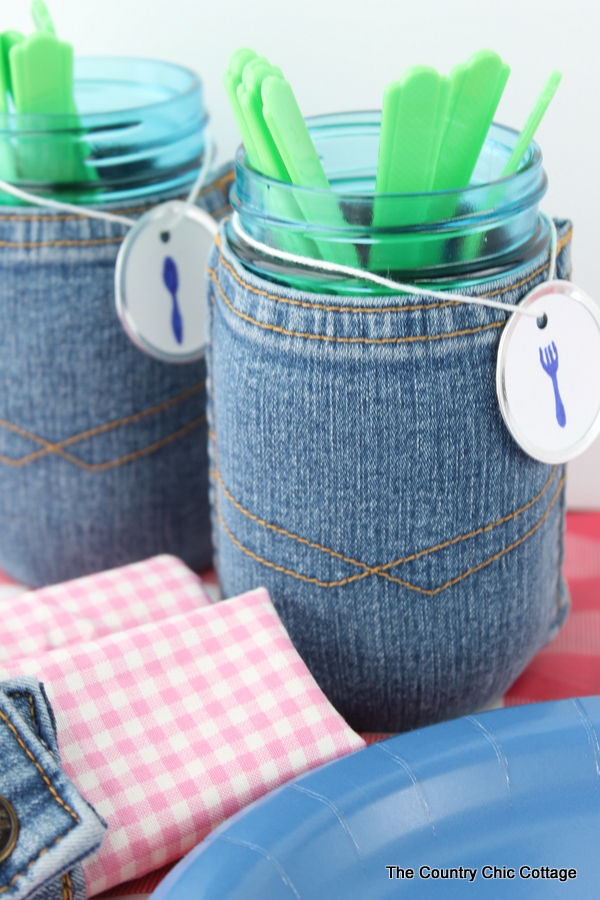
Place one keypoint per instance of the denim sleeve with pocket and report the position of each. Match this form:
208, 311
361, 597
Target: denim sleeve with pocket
363, 474
103, 456
46, 827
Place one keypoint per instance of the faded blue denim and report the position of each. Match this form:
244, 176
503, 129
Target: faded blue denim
363, 474
57, 827
103, 455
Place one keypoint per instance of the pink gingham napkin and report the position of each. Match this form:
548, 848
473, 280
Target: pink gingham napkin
91, 607
171, 727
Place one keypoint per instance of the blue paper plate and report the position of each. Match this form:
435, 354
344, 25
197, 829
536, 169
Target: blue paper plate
513, 795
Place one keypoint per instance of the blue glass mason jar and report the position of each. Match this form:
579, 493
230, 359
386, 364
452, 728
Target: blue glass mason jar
362, 469
103, 455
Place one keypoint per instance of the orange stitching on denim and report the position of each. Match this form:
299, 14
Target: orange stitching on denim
32, 862
323, 306
413, 587
67, 887
376, 570
54, 447
31, 705
99, 467
45, 778
31, 245
221, 211
486, 562
378, 309
223, 181
351, 340
32, 713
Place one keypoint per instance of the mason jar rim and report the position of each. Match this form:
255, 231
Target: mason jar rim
106, 69
533, 162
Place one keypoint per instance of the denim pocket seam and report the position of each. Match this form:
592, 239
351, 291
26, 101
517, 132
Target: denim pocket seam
377, 309
29, 696
57, 447
66, 883
358, 577
67, 242
32, 713
39, 767
408, 339
54, 793
67, 886
375, 570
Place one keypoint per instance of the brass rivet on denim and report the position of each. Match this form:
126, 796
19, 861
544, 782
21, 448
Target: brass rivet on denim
9, 829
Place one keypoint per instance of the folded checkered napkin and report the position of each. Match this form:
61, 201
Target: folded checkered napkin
171, 727
91, 607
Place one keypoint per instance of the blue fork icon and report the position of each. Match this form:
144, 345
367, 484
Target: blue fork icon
549, 361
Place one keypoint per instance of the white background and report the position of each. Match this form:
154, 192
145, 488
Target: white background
339, 54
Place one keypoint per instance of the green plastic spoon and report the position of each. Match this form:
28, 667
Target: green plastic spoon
412, 122
413, 114
232, 80
249, 95
41, 70
475, 91
42, 75
243, 82
7, 157
291, 136
531, 125
8, 40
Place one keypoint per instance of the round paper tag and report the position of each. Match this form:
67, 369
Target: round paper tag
548, 373
160, 281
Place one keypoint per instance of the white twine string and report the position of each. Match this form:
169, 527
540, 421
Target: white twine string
90, 213
284, 256
339, 269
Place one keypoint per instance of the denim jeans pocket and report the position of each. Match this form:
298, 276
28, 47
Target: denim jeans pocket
103, 455
363, 474
52, 827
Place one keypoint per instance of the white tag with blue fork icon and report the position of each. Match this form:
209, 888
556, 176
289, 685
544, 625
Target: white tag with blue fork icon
548, 373
160, 280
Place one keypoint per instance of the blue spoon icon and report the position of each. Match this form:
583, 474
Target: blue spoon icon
171, 281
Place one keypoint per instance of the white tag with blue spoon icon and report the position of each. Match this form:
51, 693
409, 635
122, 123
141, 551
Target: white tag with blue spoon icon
160, 281
548, 373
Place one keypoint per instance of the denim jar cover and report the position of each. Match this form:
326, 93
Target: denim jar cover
103, 455
363, 474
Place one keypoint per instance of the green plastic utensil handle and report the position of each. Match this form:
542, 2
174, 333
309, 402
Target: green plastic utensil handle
531, 125
476, 88
41, 17
41, 69
8, 40
414, 109
232, 80
286, 123
288, 128
249, 96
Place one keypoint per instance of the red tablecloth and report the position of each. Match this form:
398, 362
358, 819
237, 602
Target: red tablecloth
570, 665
